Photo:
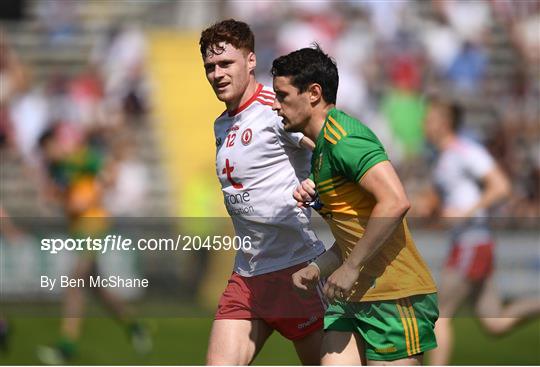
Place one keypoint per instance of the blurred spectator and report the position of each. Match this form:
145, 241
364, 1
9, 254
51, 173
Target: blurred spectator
57, 91
86, 96
309, 24
120, 58
58, 18
470, 19
355, 54
265, 49
467, 71
386, 16
263, 10
29, 115
526, 37
14, 75
23, 111
403, 105
127, 184
510, 12
13, 81
442, 44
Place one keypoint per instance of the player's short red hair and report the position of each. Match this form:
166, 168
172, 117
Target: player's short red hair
231, 31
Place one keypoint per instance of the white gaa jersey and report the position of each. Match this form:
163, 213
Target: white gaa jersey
259, 165
458, 176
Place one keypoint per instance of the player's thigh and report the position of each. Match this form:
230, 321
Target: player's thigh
488, 300
308, 348
416, 360
236, 342
453, 289
342, 348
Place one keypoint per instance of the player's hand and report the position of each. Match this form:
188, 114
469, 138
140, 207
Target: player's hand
305, 192
306, 279
339, 284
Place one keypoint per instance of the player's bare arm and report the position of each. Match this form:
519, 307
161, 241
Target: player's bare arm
392, 205
496, 188
307, 277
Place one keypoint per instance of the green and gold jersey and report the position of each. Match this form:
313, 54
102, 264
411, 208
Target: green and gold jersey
345, 150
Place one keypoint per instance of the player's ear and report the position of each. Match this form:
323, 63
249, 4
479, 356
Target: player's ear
252, 61
315, 92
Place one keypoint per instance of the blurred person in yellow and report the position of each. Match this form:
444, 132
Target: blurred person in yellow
74, 173
383, 299
258, 165
467, 183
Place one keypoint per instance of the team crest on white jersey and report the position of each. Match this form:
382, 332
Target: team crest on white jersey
247, 135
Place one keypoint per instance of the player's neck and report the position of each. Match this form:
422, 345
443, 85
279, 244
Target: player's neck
316, 122
248, 93
447, 141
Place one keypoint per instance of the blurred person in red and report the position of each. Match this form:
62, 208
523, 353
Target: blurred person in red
86, 96
468, 183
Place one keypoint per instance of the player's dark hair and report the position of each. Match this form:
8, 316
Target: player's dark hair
307, 66
452, 108
231, 31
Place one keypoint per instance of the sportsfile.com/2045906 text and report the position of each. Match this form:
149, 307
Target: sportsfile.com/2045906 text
122, 243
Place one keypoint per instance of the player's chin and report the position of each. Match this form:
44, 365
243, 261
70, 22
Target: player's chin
223, 95
290, 128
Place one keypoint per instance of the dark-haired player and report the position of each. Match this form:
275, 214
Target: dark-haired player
384, 304
468, 183
259, 165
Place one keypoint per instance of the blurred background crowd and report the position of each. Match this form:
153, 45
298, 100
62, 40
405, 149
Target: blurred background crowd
80, 92
84, 84
391, 54
77, 70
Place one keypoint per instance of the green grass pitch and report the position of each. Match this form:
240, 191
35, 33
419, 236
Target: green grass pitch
181, 341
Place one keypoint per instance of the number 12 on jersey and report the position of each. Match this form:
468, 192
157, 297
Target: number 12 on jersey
230, 140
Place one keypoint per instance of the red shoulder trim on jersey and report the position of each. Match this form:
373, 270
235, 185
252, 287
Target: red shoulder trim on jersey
248, 102
268, 98
268, 93
267, 103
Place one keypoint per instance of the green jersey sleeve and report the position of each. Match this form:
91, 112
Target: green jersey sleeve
356, 153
